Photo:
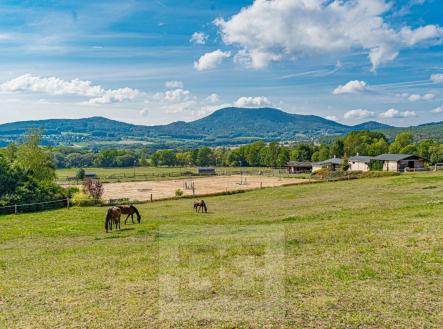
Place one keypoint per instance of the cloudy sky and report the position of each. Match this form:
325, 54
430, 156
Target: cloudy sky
158, 61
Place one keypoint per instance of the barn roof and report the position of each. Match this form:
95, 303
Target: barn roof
335, 161
299, 164
396, 157
361, 158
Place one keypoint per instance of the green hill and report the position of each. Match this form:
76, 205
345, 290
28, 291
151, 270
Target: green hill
432, 130
223, 127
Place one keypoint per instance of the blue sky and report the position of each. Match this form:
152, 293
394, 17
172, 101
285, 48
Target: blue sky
158, 61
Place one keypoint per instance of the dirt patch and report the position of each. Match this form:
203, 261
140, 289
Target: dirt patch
142, 191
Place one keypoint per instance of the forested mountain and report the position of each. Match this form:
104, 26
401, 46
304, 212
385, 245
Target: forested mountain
432, 130
224, 127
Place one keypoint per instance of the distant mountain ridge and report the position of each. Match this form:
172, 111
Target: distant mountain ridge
223, 127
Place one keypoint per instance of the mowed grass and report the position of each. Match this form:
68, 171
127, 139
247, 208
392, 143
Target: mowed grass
353, 254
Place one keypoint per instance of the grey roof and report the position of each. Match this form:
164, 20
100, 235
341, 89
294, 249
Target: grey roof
361, 158
395, 157
336, 161
299, 164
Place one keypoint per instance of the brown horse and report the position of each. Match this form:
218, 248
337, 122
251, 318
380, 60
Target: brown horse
200, 205
113, 216
130, 211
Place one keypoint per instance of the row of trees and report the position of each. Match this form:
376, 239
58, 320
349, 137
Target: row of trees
260, 154
257, 154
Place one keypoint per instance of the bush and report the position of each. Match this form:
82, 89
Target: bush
375, 174
80, 174
18, 186
82, 200
322, 173
72, 190
178, 193
95, 189
376, 165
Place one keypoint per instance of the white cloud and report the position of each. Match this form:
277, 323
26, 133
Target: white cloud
394, 113
358, 114
174, 84
417, 97
58, 87
252, 102
213, 98
437, 78
211, 60
268, 31
199, 38
177, 95
115, 96
352, 87
438, 109
332, 117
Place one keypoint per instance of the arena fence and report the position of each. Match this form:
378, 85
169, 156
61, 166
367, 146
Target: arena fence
34, 207
174, 175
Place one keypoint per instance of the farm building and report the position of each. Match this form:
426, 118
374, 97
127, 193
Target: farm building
401, 162
359, 163
295, 167
90, 175
206, 170
333, 164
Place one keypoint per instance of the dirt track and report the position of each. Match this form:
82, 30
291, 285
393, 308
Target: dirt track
141, 191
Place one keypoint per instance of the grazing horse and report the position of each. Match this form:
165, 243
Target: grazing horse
130, 211
200, 205
113, 216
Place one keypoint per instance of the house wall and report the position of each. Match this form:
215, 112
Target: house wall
391, 166
358, 166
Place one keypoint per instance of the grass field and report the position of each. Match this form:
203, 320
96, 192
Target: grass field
364, 253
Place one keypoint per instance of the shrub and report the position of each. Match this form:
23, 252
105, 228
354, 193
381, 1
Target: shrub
82, 200
178, 193
95, 189
375, 165
72, 190
322, 173
80, 174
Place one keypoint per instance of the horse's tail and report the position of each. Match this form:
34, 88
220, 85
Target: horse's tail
139, 217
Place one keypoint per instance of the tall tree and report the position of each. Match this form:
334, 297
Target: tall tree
33, 159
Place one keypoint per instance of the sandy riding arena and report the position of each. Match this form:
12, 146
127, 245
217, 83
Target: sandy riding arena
142, 191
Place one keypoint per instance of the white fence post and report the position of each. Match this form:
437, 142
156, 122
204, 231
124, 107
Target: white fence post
15, 209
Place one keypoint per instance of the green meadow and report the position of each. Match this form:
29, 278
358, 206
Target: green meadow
364, 253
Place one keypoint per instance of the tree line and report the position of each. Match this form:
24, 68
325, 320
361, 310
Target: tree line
257, 154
